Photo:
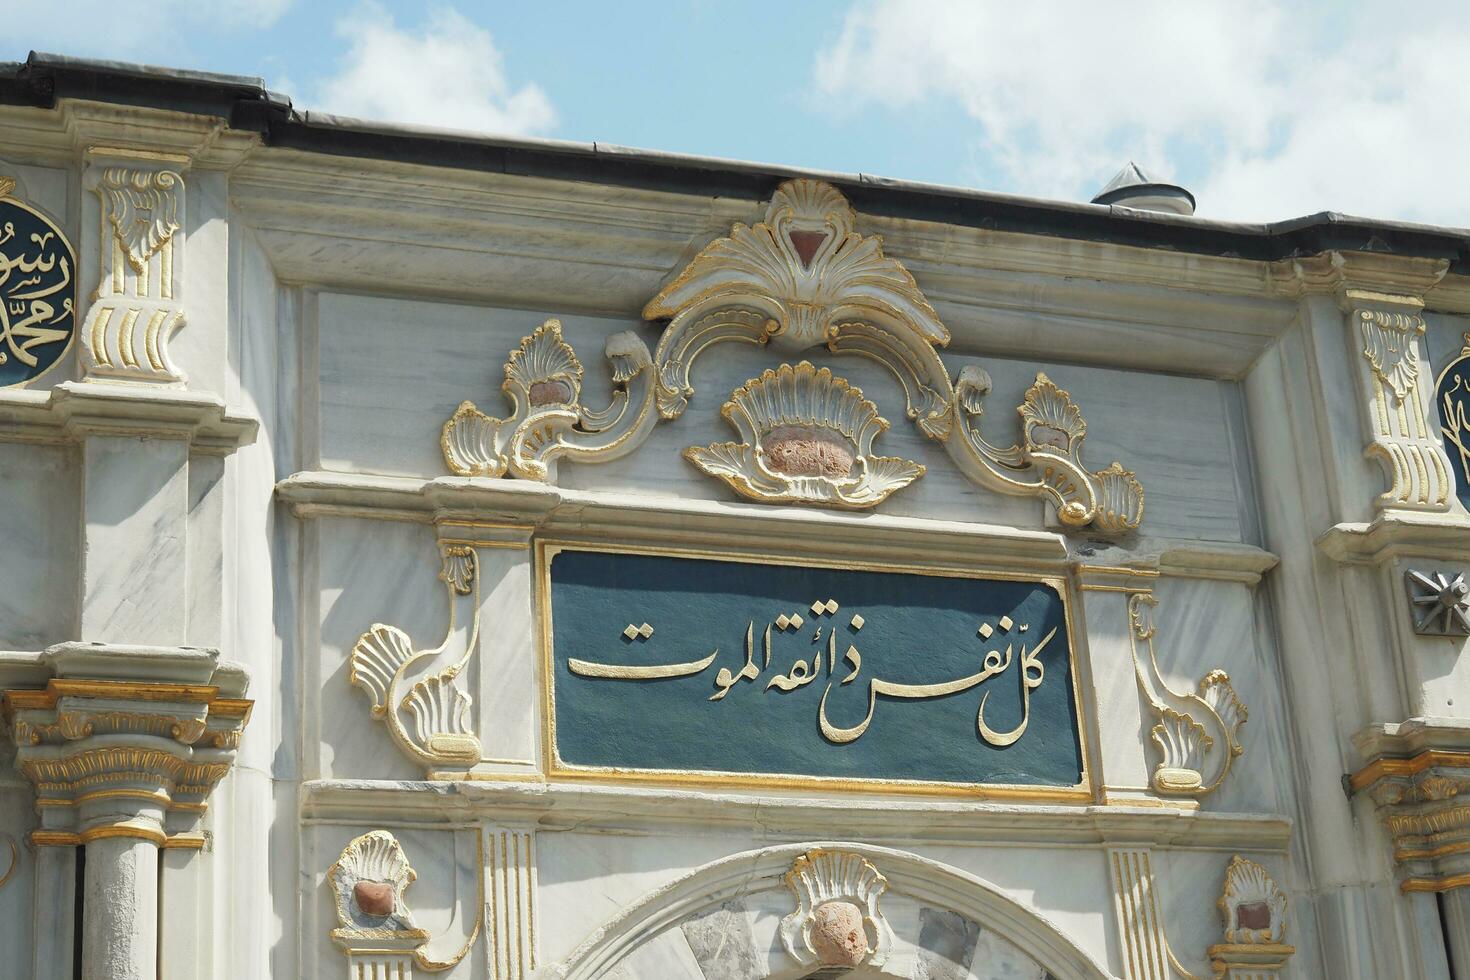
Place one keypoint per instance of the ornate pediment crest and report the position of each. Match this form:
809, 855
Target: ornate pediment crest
802, 271
803, 277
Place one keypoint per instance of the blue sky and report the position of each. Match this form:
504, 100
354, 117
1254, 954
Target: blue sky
1265, 110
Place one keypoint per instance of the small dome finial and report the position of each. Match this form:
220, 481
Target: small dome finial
1132, 188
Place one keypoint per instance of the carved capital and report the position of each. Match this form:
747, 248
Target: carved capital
1421, 788
137, 305
124, 757
1356, 279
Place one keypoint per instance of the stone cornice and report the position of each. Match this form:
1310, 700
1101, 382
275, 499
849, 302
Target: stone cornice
74, 409
458, 505
1397, 535
1359, 279
623, 808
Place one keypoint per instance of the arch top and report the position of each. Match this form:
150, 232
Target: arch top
799, 910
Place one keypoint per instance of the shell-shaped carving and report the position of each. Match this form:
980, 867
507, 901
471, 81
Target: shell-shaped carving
831, 888
143, 206
627, 353
811, 200
1183, 742
804, 395
441, 717
1050, 420
374, 859
458, 570
807, 438
1389, 344
1253, 907
376, 658
545, 368
468, 442
1120, 500
1219, 694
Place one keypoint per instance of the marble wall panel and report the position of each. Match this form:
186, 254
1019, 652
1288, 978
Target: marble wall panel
39, 528
1203, 625
368, 572
17, 867
1070, 887
135, 499
392, 372
200, 347
407, 364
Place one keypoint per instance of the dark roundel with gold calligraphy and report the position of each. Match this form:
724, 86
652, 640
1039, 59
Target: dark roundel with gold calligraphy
705, 669
38, 292
1452, 393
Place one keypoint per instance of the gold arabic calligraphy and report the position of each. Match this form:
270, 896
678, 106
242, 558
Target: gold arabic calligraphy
804, 672
35, 290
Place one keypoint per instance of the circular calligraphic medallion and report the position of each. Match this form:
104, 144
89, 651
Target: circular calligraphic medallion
1452, 393
38, 291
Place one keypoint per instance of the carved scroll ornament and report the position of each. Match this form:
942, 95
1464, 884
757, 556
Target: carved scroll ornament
1197, 733
543, 382
801, 278
384, 657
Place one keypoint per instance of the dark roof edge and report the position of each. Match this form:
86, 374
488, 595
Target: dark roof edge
246, 104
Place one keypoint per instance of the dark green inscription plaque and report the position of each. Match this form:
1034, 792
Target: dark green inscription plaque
703, 668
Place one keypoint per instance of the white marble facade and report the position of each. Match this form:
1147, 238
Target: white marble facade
288, 490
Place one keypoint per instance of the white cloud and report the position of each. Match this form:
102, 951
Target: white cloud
446, 74
100, 29
1264, 110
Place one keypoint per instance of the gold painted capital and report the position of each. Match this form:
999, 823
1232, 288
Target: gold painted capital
1424, 803
154, 749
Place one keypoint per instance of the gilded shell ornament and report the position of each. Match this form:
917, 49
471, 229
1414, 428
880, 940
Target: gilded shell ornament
806, 437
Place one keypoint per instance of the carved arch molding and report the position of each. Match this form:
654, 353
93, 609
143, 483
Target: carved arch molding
800, 279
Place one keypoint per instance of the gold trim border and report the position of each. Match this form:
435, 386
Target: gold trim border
1445, 884
1412, 766
559, 771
